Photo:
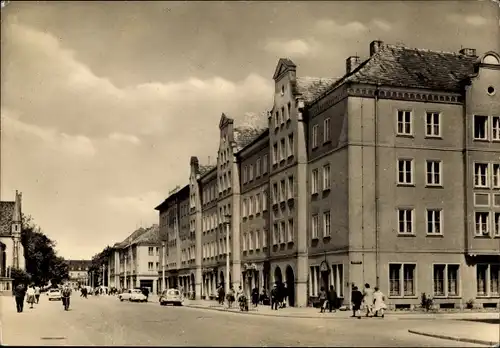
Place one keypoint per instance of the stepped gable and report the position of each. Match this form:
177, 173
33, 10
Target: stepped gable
311, 87
401, 66
6, 216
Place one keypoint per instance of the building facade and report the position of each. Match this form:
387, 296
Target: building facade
78, 273
136, 260
388, 175
11, 249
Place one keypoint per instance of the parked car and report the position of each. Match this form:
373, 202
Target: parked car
134, 295
54, 294
171, 296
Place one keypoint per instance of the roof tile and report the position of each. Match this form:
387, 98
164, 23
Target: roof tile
6, 214
311, 87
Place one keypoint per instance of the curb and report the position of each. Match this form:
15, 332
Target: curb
453, 338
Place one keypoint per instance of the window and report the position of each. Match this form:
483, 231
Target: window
446, 278
326, 224
290, 187
150, 266
314, 226
290, 231
404, 122
326, 134
244, 242
482, 222
496, 175
405, 272
264, 164
282, 114
282, 190
496, 225
432, 124
290, 145
289, 109
250, 241
264, 201
481, 275
480, 127
276, 119
433, 173
405, 218
244, 209
257, 168
275, 193
495, 128
488, 274
157, 250
257, 203
250, 172
338, 278
257, 240
264, 238
434, 221
275, 234
150, 251
481, 174
282, 232
251, 206
315, 136
326, 177
314, 182
275, 153
282, 150
405, 172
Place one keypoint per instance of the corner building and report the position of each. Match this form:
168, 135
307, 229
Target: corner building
388, 175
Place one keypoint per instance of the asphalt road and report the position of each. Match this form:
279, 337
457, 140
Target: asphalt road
107, 321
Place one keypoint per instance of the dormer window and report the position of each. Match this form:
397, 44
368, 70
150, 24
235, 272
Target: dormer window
490, 59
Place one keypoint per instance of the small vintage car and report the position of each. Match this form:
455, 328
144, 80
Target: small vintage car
134, 295
171, 296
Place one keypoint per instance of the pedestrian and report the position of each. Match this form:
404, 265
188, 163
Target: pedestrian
274, 297
19, 293
221, 294
30, 295
66, 293
264, 299
322, 300
379, 302
37, 294
255, 296
230, 297
368, 300
356, 299
332, 299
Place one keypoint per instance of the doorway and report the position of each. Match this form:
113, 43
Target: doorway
290, 285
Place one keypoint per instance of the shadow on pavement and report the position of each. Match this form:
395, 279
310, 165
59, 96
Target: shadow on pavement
486, 321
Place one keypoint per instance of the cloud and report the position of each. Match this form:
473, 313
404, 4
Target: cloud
295, 47
73, 145
473, 20
329, 26
118, 137
380, 24
57, 111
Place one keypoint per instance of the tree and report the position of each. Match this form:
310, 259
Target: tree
19, 277
42, 262
98, 260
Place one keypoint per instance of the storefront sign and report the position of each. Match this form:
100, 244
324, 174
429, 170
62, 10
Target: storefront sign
356, 262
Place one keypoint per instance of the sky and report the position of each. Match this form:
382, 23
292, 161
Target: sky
104, 103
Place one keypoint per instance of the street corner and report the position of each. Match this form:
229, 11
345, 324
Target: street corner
454, 338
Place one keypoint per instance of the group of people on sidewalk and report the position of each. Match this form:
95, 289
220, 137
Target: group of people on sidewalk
373, 301
31, 293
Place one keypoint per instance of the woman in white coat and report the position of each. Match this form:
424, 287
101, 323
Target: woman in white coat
378, 302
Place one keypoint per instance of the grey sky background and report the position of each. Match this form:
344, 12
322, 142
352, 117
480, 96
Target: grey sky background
103, 103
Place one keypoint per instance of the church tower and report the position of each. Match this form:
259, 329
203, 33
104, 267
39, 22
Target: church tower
18, 255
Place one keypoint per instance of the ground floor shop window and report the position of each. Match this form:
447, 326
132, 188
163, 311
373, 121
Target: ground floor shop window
487, 278
446, 280
402, 279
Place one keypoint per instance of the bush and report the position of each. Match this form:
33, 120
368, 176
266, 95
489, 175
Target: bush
470, 304
426, 302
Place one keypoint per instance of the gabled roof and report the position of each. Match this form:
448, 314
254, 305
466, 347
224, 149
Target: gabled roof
401, 66
311, 87
6, 215
151, 235
283, 65
244, 135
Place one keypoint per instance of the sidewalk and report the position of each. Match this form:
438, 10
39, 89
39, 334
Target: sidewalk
309, 312
462, 331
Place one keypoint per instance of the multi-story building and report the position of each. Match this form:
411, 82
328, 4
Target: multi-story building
388, 175
11, 248
136, 260
78, 272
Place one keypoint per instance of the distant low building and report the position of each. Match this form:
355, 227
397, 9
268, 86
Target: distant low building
78, 272
11, 249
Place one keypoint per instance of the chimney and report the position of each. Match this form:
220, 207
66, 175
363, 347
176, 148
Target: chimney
375, 46
469, 52
351, 63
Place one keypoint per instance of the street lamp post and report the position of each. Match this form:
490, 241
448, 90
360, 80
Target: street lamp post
163, 266
125, 272
227, 222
